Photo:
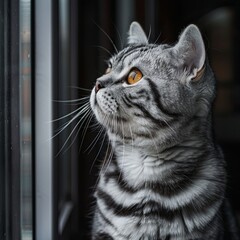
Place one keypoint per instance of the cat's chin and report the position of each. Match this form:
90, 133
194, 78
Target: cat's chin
109, 120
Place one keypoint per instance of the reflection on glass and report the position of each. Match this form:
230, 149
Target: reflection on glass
25, 120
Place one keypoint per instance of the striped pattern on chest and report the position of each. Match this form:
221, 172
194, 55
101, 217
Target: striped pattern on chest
138, 206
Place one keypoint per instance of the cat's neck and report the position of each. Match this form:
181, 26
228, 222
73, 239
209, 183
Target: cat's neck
157, 148
154, 143
140, 165
161, 151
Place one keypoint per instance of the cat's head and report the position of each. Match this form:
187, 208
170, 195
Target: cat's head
151, 89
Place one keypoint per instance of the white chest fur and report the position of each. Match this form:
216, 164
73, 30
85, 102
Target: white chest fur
138, 167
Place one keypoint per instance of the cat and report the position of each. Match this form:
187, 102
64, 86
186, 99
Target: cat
165, 176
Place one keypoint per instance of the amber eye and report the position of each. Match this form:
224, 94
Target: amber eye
134, 76
108, 70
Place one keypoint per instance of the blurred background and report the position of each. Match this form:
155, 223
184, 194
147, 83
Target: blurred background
52, 52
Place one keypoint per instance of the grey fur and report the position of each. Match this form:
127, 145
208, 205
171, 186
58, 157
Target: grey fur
165, 176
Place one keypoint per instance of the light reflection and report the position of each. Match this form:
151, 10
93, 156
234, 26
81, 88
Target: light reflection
26, 120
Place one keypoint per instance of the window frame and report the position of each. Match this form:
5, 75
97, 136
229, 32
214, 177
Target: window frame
10, 140
43, 74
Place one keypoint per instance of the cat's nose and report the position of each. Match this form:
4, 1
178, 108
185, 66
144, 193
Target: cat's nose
98, 86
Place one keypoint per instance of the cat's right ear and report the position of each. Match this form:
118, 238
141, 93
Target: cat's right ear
136, 35
192, 50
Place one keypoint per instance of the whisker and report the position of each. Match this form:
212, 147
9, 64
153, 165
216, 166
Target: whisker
101, 146
119, 36
68, 138
107, 159
94, 161
105, 49
94, 142
130, 129
149, 34
105, 134
170, 127
154, 142
71, 120
75, 127
83, 89
81, 109
114, 46
73, 100
85, 129
157, 38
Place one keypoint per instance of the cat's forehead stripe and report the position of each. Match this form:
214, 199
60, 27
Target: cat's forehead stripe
125, 53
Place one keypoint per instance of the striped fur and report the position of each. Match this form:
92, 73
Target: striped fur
164, 177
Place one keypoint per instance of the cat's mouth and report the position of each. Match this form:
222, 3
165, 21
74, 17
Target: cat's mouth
107, 110
104, 103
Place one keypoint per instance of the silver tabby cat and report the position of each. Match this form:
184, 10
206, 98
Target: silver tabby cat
165, 178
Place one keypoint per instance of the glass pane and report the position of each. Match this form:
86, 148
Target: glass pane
25, 120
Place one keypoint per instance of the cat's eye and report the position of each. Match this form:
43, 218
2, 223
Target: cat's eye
108, 70
134, 76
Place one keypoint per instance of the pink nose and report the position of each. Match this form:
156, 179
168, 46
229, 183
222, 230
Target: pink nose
97, 86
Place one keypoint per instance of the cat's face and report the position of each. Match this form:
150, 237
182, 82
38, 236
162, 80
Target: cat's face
149, 88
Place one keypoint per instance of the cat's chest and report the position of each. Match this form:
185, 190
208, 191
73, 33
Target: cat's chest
138, 167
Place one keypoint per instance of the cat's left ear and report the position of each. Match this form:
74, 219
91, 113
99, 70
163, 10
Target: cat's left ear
136, 35
191, 49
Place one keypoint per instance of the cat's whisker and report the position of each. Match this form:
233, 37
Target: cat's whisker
94, 142
173, 131
73, 100
123, 153
95, 159
157, 38
105, 49
82, 89
106, 120
105, 164
155, 144
68, 139
80, 110
131, 134
88, 120
123, 138
65, 125
101, 146
107, 160
122, 108
71, 133
80, 114
74, 103
149, 33
119, 36
111, 41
